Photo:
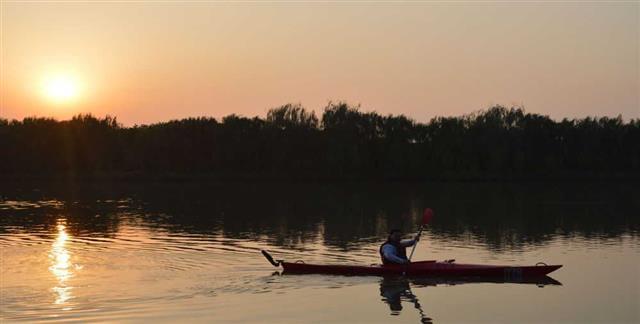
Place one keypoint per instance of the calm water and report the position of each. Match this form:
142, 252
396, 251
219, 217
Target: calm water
169, 252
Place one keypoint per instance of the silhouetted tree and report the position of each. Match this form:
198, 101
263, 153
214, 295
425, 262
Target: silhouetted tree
346, 143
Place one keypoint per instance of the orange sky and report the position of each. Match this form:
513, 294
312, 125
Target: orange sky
152, 61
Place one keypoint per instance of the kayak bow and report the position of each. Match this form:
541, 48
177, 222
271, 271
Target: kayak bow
420, 268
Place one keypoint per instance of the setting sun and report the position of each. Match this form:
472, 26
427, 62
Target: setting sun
320, 161
61, 88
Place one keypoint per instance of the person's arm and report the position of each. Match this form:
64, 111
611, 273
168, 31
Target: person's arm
389, 252
407, 243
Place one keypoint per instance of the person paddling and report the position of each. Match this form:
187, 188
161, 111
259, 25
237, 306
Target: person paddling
394, 250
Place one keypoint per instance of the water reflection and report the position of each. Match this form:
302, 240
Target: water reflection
167, 251
394, 290
498, 217
61, 266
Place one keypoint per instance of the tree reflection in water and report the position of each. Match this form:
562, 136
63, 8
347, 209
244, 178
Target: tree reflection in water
497, 216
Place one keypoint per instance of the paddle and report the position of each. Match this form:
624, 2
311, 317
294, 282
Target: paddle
270, 258
426, 218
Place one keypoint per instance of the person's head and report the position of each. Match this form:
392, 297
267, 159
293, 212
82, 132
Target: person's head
395, 235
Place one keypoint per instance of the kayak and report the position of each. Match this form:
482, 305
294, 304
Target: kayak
424, 268
420, 268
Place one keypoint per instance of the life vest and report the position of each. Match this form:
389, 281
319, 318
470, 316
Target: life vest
401, 252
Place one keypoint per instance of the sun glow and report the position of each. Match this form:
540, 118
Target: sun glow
61, 88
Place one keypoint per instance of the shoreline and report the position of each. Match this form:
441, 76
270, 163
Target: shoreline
216, 178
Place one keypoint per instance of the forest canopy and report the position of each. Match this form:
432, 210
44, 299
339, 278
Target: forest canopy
345, 143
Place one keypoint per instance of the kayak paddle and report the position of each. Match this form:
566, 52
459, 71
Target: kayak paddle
270, 258
426, 218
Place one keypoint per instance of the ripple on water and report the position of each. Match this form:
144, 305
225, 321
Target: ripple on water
144, 264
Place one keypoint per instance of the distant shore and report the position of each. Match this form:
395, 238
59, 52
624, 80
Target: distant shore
173, 177
344, 144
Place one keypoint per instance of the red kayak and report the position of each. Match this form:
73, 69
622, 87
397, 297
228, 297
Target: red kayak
420, 268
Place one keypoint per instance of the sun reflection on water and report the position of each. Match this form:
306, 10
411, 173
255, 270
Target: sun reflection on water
61, 266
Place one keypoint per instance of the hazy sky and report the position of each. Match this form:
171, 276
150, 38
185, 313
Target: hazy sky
151, 61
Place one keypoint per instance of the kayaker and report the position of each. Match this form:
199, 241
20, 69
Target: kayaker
393, 251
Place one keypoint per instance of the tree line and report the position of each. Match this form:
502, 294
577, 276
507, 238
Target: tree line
345, 143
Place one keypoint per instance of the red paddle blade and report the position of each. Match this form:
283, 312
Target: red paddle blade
426, 217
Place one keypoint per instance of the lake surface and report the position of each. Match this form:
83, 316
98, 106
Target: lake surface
191, 251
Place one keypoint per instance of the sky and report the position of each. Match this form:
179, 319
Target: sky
151, 61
